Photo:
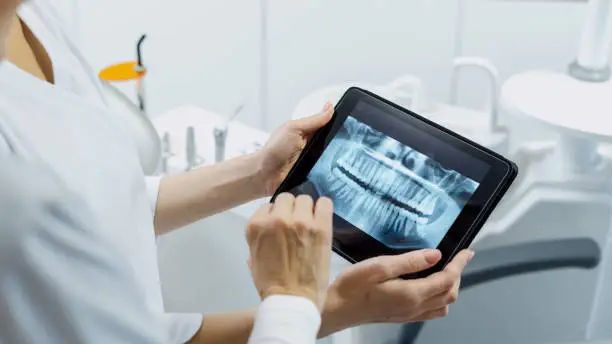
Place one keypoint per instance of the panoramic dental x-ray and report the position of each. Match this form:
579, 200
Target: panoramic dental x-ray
399, 196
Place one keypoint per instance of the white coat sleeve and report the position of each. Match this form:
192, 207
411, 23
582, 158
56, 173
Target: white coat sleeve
62, 280
286, 319
153, 190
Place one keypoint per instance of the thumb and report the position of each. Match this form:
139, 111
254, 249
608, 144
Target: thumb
309, 125
415, 261
383, 268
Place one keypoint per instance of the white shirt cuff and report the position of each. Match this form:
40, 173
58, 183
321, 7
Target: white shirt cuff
286, 319
181, 327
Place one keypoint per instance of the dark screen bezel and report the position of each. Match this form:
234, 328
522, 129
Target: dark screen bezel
355, 245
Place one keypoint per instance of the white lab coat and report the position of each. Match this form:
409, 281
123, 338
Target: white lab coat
76, 216
78, 261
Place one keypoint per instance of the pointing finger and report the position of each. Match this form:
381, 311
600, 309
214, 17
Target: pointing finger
303, 211
283, 206
324, 212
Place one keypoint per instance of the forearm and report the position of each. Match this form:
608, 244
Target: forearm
191, 196
276, 320
235, 328
335, 316
231, 328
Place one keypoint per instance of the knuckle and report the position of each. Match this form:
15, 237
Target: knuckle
252, 230
411, 300
290, 125
325, 231
447, 282
453, 296
444, 312
455, 275
413, 265
382, 269
302, 225
253, 226
279, 222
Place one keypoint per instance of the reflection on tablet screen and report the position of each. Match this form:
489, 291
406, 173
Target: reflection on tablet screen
397, 195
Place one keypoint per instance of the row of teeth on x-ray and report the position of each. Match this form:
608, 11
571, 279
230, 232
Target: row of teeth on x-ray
388, 215
420, 164
406, 184
389, 185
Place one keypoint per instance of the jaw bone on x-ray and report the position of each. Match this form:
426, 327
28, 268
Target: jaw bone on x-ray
396, 194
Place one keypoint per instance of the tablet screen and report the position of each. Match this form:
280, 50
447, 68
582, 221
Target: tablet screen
393, 192
398, 181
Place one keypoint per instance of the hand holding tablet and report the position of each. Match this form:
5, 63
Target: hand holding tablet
399, 182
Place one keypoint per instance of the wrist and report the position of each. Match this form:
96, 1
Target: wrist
260, 175
286, 319
264, 175
335, 316
299, 292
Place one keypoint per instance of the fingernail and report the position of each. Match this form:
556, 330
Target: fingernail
327, 106
471, 255
432, 256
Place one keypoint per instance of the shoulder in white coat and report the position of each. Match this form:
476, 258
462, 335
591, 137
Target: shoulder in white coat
61, 281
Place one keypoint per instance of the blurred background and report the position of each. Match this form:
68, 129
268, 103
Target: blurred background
528, 79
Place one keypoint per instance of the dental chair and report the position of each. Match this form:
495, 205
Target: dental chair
513, 260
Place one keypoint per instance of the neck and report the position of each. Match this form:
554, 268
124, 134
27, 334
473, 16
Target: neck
27, 53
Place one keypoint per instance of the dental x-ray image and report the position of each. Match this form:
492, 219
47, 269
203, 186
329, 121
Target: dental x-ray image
399, 196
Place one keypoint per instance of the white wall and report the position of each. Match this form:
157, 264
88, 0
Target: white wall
199, 52
207, 52
521, 35
317, 43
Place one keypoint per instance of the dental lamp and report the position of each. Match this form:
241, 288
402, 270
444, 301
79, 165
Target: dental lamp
134, 116
127, 71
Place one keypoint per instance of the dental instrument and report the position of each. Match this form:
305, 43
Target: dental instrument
220, 139
166, 153
220, 135
176, 121
193, 158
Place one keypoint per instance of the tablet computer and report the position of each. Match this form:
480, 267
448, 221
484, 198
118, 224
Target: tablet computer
399, 182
